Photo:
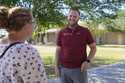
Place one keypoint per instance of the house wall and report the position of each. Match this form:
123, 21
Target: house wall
51, 38
108, 38
114, 38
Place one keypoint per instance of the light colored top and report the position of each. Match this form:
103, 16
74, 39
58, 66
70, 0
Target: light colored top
21, 64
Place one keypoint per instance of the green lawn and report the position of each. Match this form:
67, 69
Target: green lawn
106, 54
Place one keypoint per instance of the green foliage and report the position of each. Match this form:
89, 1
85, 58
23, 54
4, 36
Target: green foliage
49, 14
93, 25
120, 21
9, 2
116, 24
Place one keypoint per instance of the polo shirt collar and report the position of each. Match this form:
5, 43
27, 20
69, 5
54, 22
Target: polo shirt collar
74, 29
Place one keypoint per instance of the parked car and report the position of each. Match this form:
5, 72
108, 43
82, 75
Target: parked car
3, 33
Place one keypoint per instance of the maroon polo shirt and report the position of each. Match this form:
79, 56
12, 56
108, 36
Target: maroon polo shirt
73, 45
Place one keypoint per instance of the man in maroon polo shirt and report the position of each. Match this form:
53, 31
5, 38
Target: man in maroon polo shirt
71, 56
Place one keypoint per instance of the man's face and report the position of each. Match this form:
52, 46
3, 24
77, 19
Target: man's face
73, 17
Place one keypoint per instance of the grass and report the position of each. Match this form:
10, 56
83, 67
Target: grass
106, 54
112, 46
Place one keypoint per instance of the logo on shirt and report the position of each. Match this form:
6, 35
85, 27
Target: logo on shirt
67, 34
78, 33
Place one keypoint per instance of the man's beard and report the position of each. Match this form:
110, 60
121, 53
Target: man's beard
73, 25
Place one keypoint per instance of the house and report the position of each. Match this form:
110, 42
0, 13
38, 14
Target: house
51, 36
108, 38
113, 38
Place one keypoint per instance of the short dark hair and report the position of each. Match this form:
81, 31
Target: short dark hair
75, 9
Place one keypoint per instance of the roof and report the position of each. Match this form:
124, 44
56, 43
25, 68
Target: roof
53, 30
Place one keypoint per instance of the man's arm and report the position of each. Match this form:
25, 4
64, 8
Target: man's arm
92, 52
57, 63
58, 51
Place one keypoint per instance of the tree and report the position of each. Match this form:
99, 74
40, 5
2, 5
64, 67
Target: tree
11, 3
97, 8
49, 13
119, 21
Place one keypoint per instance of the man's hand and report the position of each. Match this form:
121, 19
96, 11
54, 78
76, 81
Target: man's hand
85, 65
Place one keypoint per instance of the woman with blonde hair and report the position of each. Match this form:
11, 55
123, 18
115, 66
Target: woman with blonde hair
20, 62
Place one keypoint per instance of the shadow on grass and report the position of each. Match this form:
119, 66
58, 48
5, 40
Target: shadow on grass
112, 46
100, 62
49, 66
50, 71
96, 63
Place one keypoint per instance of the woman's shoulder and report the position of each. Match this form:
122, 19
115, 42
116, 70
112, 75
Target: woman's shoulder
25, 46
24, 49
3, 47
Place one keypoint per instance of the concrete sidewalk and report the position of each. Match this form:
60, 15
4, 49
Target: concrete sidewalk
114, 73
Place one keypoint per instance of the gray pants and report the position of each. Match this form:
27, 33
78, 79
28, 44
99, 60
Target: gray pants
73, 76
